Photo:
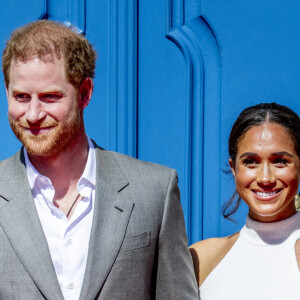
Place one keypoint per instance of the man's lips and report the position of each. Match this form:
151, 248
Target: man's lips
267, 195
39, 130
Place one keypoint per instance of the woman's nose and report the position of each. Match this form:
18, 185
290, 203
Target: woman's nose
265, 174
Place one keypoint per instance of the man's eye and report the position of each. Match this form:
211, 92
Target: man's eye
52, 97
22, 97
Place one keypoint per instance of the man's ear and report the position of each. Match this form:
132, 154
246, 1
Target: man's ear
85, 92
232, 167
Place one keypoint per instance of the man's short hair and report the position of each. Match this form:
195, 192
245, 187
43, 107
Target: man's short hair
46, 38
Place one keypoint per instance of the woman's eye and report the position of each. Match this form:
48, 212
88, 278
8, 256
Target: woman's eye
280, 162
250, 162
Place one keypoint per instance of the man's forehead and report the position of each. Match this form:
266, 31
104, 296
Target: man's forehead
36, 69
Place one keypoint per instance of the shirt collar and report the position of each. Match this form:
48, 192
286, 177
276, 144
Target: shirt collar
86, 181
32, 173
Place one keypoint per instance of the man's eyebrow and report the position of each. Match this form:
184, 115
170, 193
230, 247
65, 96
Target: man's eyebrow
249, 154
16, 90
51, 90
282, 153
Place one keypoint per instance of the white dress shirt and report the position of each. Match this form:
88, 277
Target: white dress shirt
68, 240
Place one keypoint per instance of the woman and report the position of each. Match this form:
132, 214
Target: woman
261, 261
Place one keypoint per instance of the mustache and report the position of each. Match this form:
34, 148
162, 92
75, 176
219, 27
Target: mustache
40, 124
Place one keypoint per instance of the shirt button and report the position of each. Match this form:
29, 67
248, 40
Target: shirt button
71, 286
70, 242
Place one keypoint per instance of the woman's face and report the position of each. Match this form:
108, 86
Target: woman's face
266, 172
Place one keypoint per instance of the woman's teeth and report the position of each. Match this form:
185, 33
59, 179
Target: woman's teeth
266, 194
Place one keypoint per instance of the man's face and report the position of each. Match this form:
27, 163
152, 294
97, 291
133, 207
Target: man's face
42, 106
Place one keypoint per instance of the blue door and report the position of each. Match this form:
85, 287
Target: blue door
171, 78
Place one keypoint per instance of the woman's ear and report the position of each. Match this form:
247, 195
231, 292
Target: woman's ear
232, 166
85, 92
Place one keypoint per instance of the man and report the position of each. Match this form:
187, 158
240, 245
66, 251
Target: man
77, 221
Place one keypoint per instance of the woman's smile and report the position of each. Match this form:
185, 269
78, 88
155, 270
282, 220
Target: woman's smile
267, 196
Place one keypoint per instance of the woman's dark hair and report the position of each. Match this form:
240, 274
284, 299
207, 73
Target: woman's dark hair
254, 116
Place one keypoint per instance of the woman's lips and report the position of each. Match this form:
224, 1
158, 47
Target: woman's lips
266, 195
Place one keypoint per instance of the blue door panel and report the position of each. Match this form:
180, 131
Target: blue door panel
112, 27
161, 109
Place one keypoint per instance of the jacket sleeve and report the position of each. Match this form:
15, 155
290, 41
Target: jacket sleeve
175, 278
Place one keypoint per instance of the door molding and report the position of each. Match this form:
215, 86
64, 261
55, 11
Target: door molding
198, 43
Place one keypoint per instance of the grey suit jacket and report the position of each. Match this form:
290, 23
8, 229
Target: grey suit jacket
138, 246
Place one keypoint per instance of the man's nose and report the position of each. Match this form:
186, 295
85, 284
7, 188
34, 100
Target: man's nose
265, 174
35, 111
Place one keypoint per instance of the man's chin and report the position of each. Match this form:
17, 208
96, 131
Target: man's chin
41, 147
41, 151
47, 148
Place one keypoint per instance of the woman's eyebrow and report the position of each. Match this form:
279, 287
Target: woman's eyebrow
249, 154
282, 153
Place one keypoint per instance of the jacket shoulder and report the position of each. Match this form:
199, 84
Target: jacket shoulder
11, 161
126, 160
147, 182
134, 167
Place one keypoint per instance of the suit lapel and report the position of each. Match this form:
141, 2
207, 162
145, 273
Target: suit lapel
111, 217
20, 222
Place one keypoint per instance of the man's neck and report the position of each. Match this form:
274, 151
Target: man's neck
65, 168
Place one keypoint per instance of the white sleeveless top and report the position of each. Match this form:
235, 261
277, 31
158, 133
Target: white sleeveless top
261, 265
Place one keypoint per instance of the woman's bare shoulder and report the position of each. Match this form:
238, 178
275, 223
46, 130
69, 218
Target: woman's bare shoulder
207, 254
214, 244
